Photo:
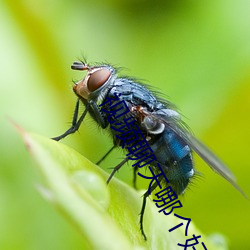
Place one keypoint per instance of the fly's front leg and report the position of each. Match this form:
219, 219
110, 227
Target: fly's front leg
75, 123
98, 115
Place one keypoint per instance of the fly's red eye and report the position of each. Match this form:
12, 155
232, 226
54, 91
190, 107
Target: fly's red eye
97, 79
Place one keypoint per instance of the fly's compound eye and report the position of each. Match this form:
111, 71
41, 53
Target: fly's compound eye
97, 79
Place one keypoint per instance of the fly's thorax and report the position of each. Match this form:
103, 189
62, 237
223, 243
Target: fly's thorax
94, 85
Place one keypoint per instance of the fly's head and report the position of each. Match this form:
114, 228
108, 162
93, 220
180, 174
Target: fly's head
93, 84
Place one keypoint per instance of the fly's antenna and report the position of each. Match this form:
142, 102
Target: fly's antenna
80, 66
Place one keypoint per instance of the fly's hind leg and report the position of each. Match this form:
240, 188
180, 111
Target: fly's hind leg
134, 176
144, 201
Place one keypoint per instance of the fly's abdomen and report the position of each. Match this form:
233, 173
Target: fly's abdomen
175, 158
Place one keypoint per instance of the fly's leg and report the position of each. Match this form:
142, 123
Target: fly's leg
144, 201
98, 114
75, 124
105, 155
134, 176
116, 168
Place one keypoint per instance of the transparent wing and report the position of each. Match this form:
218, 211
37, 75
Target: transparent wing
175, 124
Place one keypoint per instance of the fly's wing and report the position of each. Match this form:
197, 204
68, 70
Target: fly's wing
212, 160
175, 124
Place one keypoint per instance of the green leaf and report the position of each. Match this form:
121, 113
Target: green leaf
106, 215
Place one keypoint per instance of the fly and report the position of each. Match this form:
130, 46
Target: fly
168, 137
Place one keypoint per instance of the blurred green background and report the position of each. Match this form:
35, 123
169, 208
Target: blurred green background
195, 52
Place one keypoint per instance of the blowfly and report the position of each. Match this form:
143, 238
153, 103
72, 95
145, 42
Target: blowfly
170, 141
